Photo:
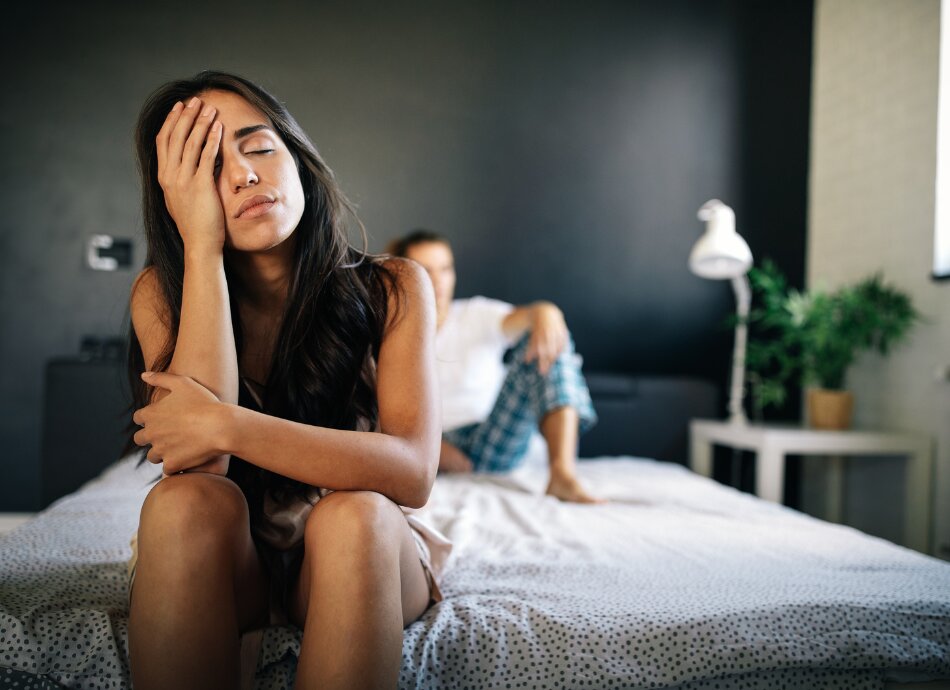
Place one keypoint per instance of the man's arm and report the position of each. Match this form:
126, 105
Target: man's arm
548, 331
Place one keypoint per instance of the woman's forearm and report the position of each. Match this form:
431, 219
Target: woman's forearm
205, 348
401, 469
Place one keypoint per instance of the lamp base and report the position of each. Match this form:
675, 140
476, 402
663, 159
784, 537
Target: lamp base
743, 292
738, 419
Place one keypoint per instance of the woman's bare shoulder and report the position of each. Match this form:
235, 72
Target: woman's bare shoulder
145, 283
410, 291
406, 273
146, 300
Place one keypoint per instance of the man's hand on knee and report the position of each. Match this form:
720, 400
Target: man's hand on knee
548, 335
451, 459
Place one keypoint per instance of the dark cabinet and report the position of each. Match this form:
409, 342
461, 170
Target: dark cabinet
85, 412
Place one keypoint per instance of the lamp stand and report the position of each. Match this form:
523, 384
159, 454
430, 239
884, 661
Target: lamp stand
743, 292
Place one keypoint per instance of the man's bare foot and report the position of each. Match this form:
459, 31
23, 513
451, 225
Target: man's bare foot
451, 459
570, 490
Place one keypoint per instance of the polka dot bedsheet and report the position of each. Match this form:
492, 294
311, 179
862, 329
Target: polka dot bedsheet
677, 583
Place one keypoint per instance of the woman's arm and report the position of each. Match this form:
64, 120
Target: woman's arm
204, 349
400, 462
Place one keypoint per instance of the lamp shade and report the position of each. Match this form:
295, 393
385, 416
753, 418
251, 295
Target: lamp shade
720, 253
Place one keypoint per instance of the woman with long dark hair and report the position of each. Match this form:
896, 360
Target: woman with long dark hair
284, 379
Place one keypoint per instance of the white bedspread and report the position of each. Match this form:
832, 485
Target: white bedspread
679, 582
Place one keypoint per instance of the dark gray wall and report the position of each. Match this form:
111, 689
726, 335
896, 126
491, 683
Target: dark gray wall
564, 148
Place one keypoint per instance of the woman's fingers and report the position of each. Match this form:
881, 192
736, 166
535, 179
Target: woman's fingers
190, 147
164, 379
210, 152
140, 438
180, 133
197, 140
161, 140
183, 138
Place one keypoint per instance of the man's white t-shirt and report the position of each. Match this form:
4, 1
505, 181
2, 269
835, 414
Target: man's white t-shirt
469, 350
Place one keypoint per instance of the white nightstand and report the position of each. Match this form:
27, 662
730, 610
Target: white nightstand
771, 443
10, 521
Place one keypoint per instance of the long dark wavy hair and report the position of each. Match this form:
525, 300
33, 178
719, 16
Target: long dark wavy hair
336, 308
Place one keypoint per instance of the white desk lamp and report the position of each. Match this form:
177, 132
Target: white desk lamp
722, 254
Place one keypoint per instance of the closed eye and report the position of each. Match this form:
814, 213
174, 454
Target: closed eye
218, 162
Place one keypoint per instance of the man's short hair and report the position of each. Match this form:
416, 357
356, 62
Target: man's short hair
401, 246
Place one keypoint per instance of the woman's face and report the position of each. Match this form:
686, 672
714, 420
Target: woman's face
256, 176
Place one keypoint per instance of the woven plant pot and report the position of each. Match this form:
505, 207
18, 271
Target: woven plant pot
829, 409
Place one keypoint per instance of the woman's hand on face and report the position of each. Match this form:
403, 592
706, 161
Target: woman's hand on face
548, 335
182, 427
187, 145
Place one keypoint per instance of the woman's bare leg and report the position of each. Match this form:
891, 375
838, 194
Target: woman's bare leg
198, 583
361, 582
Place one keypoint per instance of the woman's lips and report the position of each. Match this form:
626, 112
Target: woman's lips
257, 210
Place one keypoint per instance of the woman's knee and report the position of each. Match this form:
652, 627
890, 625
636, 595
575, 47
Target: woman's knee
198, 522
194, 503
353, 516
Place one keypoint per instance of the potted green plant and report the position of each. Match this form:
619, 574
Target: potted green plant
812, 338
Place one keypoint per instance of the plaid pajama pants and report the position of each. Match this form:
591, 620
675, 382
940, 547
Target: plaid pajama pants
499, 443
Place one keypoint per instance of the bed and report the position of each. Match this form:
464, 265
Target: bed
679, 582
